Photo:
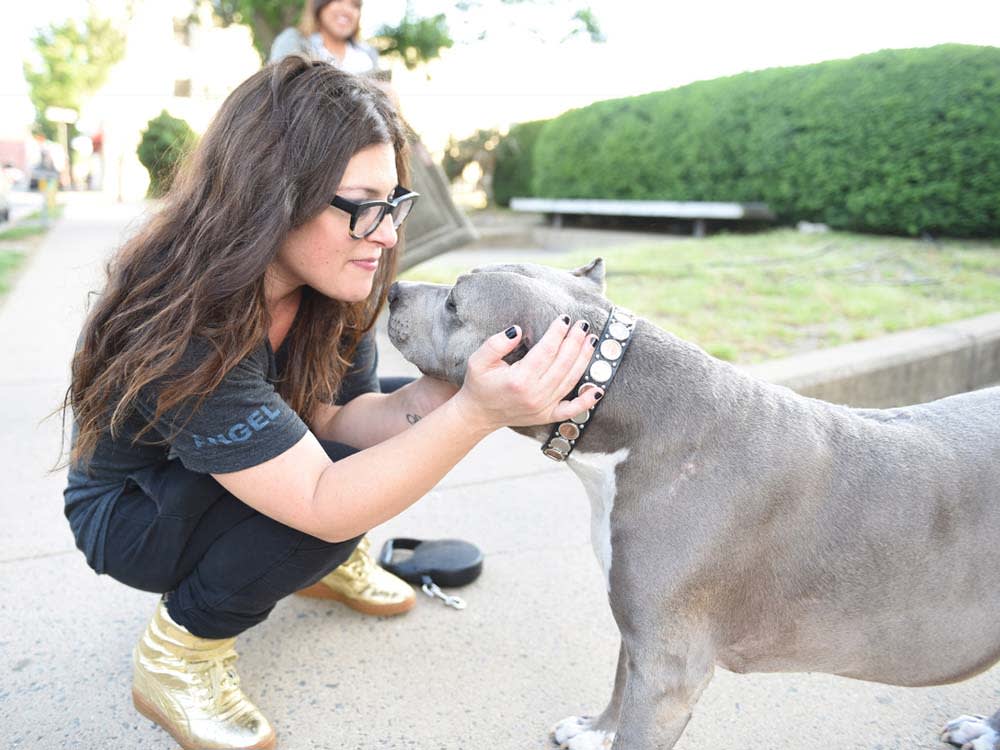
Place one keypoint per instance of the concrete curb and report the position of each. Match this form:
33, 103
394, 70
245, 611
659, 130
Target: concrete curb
903, 368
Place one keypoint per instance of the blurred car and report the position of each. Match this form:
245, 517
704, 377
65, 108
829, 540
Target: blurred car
4, 197
15, 176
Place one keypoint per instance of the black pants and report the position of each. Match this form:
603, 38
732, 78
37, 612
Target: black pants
223, 564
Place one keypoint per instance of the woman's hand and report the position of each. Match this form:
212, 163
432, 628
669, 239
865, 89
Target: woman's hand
530, 391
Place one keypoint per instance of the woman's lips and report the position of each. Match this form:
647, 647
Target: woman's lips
368, 264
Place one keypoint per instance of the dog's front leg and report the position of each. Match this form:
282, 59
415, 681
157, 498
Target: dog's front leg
663, 682
974, 732
587, 732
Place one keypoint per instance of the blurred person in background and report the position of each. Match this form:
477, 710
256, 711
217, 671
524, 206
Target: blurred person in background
328, 32
230, 444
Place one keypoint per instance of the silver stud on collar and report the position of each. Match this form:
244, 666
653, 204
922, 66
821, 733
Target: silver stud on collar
601, 371
604, 362
611, 350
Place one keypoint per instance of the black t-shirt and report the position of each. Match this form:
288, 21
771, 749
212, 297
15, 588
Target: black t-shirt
242, 423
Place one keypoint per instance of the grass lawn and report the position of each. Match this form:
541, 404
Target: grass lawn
17, 243
751, 297
9, 262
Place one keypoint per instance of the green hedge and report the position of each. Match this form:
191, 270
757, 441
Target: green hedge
512, 173
898, 142
165, 142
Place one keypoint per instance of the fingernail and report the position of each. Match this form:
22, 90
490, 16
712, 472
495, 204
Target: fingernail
565, 319
593, 341
511, 332
598, 395
584, 326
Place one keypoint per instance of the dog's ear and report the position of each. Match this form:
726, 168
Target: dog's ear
592, 272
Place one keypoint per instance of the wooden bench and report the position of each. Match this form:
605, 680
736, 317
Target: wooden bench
699, 211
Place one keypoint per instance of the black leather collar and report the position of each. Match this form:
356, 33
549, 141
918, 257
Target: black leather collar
601, 370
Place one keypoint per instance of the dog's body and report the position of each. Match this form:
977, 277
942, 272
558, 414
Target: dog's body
741, 524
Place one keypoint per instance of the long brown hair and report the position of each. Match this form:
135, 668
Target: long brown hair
270, 161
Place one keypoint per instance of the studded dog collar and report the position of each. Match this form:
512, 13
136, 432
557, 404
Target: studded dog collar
601, 370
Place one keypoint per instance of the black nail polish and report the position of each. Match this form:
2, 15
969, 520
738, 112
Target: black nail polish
598, 396
593, 341
565, 319
584, 326
511, 332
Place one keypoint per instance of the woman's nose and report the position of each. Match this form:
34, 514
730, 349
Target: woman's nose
385, 234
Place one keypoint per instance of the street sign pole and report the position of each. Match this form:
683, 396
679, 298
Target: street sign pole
64, 117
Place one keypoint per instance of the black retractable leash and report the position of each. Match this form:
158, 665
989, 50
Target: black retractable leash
444, 562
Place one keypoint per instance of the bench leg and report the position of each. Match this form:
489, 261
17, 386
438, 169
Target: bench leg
699, 227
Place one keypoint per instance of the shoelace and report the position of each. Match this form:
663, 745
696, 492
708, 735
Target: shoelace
362, 564
216, 677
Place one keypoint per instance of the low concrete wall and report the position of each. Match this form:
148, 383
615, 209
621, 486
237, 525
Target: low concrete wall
899, 369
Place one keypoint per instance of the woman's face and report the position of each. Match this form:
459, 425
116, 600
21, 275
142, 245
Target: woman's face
340, 18
322, 254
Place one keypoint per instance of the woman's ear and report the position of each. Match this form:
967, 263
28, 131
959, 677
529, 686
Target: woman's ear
592, 272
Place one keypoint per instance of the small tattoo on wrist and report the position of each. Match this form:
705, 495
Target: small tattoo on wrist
412, 418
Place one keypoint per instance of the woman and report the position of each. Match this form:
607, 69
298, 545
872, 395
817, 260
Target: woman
328, 32
229, 444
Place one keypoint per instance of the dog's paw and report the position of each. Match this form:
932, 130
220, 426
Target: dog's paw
578, 733
971, 733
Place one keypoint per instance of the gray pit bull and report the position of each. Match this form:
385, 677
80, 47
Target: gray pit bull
740, 524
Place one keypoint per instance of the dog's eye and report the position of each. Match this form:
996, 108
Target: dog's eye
450, 304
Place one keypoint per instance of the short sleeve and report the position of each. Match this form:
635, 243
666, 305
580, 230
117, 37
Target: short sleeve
242, 423
362, 375
372, 54
289, 42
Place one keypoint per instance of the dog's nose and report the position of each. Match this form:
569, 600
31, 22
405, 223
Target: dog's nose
393, 293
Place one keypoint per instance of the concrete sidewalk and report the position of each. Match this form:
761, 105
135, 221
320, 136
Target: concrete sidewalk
535, 644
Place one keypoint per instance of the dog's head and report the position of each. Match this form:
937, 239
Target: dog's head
438, 327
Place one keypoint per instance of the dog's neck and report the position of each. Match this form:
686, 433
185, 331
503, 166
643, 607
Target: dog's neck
660, 382
610, 349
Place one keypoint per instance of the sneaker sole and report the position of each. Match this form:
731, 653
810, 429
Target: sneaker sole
151, 713
322, 591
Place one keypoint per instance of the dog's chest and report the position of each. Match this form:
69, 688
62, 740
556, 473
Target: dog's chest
597, 472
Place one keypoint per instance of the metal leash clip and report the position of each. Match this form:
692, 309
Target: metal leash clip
450, 562
431, 589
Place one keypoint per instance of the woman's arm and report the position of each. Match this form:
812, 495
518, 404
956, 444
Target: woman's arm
373, 417
336, 501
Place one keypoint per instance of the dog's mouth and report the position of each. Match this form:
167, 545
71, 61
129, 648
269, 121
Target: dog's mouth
397, 332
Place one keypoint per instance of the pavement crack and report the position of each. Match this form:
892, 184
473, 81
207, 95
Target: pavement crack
38, 556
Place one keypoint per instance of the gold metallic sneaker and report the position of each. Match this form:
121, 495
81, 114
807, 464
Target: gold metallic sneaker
189, 686
362, 585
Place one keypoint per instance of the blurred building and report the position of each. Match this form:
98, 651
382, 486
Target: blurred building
174, 61
17, 147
